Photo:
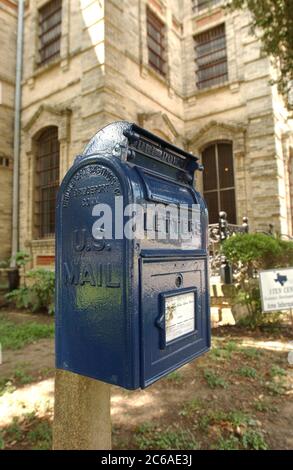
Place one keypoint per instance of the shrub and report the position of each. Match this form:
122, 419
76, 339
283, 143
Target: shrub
258, 251
22, 258
249, 253
37, 294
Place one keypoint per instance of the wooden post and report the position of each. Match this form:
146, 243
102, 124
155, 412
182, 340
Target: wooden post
82, 413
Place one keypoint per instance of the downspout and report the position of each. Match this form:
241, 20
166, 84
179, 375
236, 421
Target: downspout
16, 141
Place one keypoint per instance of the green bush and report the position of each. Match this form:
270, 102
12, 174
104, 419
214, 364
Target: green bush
37, 294
249, 253
258, 251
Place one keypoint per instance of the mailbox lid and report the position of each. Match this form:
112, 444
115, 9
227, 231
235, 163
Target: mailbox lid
167, 346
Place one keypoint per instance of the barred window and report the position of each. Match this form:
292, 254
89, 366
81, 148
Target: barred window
47, 181
198, 5
211, 57
218, 181
50, 19
156, 42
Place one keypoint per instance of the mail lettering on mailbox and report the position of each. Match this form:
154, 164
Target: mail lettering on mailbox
132, 300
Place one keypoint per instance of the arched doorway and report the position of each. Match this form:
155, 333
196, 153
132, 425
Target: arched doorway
219, 181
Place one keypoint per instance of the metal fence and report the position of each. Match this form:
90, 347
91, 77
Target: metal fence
217, 234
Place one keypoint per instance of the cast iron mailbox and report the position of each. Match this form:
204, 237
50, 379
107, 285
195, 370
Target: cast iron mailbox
132, 301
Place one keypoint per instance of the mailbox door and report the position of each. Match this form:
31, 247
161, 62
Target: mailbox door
175, 314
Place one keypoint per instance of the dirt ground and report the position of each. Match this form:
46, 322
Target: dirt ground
239, 395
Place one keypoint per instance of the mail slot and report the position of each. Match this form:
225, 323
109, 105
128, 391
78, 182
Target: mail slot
132, 300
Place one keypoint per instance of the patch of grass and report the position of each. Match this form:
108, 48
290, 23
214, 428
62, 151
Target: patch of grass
175, 377
239, 429
247, 371
214, 380
219, 354
14, 432
6, 386
146, 428
275, 388
277, 371
254, 440
29, 418
29, 428
191, 407
16, 336
47, 371
239, 418
224, 351
1, 442
148, 437
229, 443
209, 418
235, 418
264, 406
251, 353
250, 440
231, 346
19, 377
41, 436
22, 377
204, 421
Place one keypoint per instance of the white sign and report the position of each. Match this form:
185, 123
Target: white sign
276, 286
179, 315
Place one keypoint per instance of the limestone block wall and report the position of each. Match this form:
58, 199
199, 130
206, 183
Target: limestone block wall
103, 75
8, 25
134, 89
241, 110
51, 96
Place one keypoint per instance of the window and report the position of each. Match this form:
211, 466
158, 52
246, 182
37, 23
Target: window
47, 181
198, 5
4, 161
211, 57
218, 181
50, 17
155, 42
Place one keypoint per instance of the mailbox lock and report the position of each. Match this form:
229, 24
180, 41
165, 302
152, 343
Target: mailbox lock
130, 154
179, 280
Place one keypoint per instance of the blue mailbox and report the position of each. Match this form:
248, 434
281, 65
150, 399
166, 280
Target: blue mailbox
132, 300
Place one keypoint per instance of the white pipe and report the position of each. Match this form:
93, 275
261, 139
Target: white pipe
16, 142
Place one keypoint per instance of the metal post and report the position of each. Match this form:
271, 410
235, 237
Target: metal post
16, 142
223, 225
82, 413
271, 229
291, 317
245, 224
225, 268
226, 272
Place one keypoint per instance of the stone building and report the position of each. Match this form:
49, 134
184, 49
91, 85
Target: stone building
185, 69
8, 21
